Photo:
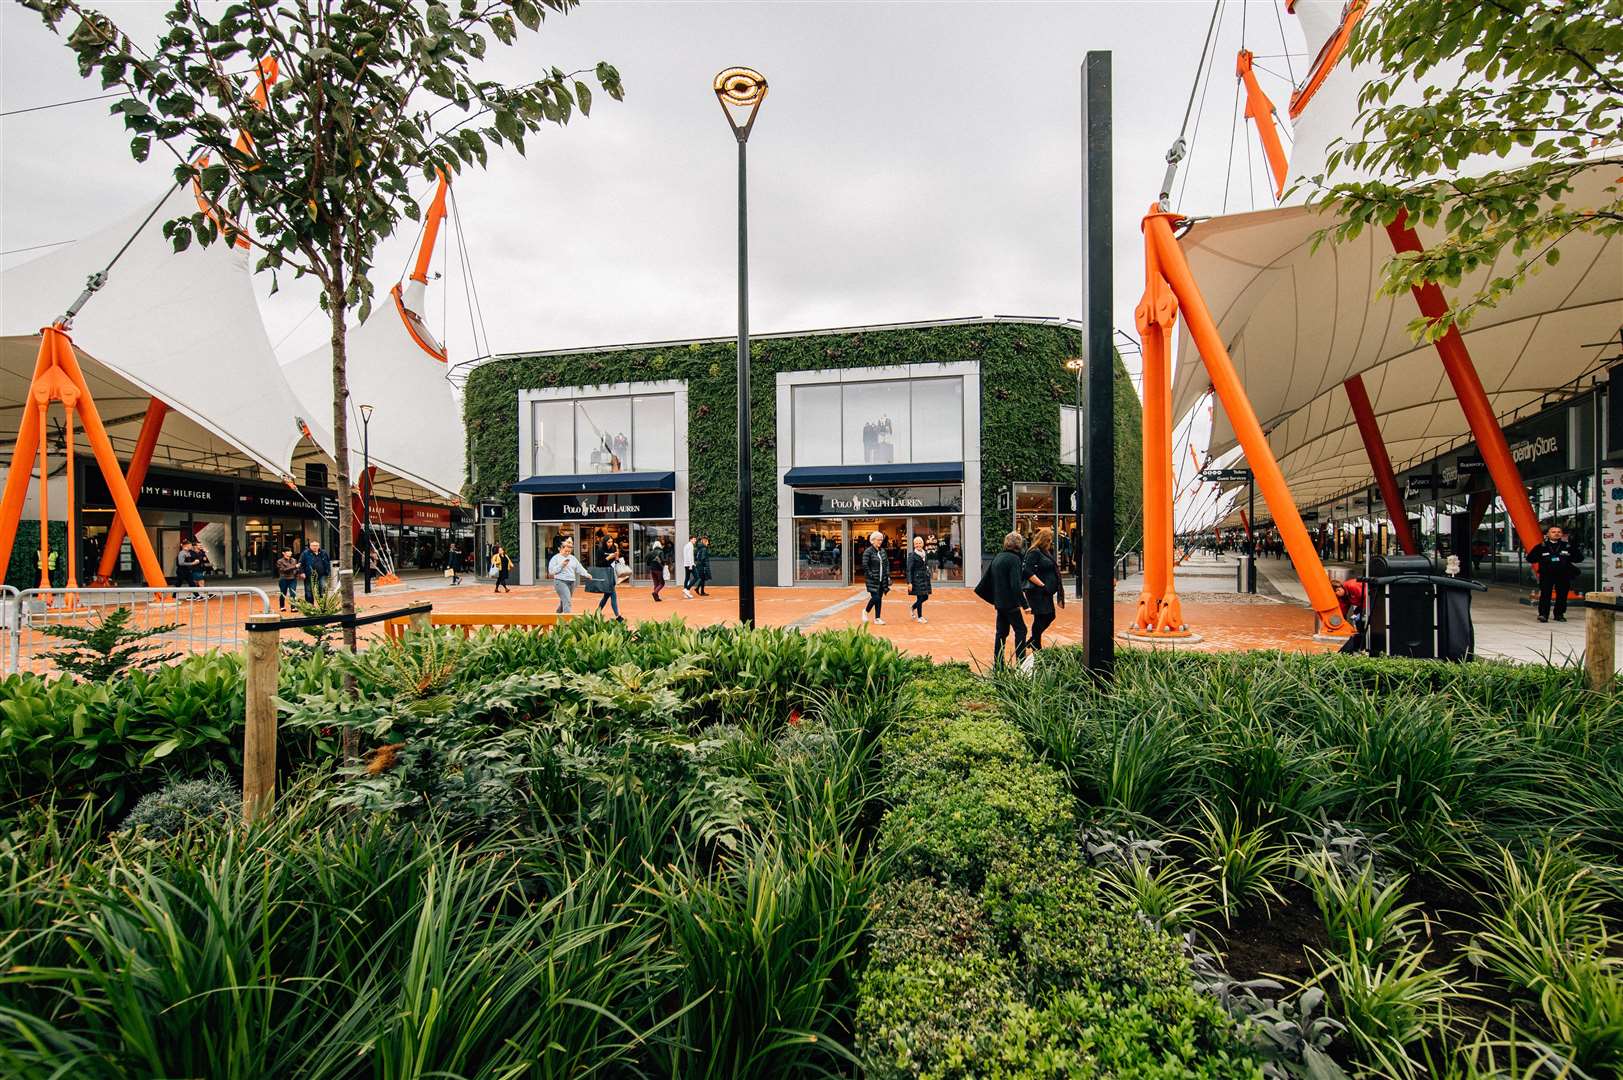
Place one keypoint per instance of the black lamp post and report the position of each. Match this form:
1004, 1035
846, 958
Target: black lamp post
366, 498
740, 89
1076, 364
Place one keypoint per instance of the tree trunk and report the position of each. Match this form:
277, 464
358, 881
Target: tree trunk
350, 738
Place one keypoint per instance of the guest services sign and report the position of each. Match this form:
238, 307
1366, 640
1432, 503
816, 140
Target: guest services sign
617, 506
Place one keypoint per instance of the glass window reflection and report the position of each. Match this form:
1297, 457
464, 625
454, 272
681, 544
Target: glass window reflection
877, 423
816, 423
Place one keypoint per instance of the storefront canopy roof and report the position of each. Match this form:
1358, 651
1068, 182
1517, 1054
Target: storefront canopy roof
926, 472
597, 482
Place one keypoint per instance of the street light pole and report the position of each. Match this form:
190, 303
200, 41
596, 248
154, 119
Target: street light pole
366, 496
1076, 364
740, 89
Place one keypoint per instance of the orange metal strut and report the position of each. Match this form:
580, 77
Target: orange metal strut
1380, 464
145, 443
1473, 399
1261, 111
431, 231
1270, 479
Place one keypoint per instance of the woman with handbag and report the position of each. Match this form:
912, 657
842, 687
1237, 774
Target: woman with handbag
566, 572
918, 577
656, 568
610, 583
876, 576
1039, 574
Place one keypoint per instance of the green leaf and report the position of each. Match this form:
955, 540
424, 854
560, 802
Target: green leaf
583, 97
162, 750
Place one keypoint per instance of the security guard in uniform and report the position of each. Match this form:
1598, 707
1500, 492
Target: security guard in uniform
1557, 562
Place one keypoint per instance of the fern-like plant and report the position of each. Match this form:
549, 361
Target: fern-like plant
107, 647
325, 604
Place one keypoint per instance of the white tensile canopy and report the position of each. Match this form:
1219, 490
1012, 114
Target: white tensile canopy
184, 328
416, 427
1298, 323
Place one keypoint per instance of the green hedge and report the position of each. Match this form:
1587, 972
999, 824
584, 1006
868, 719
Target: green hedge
992, 952
1023, 381
23, 571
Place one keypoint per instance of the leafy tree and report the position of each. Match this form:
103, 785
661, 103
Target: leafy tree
371, 97
1541, 88
107, 647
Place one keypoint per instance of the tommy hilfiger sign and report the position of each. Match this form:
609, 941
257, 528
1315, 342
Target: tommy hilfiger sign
620, 506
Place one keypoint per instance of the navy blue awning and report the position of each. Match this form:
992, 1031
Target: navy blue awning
923, 472
585, 482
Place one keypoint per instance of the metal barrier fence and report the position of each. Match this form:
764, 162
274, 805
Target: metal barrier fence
8, 622
195, 619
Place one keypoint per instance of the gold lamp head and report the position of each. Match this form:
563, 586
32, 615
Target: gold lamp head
740, 88
1075, 363
366, 413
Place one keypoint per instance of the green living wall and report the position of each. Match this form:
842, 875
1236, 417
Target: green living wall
23, 573
1023, 381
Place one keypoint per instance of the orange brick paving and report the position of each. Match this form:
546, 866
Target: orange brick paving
959, 628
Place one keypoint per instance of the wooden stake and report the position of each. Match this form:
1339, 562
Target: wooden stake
1600, 640
259, 735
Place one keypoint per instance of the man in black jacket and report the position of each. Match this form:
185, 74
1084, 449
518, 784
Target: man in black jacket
1002, 587
1557, 562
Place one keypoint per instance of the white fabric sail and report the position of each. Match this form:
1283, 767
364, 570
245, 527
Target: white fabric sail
184, 328
416, 428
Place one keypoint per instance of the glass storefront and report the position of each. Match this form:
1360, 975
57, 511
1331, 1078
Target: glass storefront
641, 524
1047, 506
832, 527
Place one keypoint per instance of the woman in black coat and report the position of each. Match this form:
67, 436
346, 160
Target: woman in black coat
918, 577
876, 576
701, 566
1039, 575
1000, 587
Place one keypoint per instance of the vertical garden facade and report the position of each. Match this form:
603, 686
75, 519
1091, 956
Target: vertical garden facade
955, 432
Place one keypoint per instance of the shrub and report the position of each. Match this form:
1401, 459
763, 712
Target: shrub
170, 810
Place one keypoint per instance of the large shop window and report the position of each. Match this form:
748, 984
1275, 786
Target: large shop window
879, 423
604, 435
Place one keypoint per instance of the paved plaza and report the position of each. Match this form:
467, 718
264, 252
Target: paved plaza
960, 624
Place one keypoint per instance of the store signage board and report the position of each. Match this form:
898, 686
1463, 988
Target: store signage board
1223, 476
277, 502
492, 511
166, 493
864, 502
613, 506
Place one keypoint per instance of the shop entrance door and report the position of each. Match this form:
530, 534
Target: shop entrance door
895, 546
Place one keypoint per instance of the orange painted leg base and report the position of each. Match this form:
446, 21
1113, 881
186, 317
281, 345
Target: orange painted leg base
1169, 637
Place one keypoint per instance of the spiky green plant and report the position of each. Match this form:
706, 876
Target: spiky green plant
106, 646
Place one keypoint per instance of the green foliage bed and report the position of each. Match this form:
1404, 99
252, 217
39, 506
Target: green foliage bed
1023, 383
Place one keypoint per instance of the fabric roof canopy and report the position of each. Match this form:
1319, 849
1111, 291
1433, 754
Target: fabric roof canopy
184, 328
416, 428
1298, 323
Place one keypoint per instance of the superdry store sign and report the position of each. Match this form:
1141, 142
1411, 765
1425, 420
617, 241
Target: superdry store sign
619, 506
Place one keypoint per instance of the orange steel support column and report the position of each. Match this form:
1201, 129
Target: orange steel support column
1473, 399
1380, 464
145, 443
431, 232
57, 374
44, 496
1261, 112
1226, 383
73, 543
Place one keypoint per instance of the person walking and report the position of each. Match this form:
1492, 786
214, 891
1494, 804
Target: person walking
1039, 575
287, 578
316, 566
656, 568
918, 577
454, 563
687, 567
1557, 562
501, 565
185, 565
701, 566
610, 582
566, 572
1000, 587
876, 576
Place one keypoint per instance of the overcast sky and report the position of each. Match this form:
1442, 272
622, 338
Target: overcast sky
912, 161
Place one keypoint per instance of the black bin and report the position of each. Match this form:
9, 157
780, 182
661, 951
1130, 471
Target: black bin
1414, 611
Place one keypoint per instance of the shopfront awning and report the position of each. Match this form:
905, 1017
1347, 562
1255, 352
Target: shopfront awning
596, 482
926, 472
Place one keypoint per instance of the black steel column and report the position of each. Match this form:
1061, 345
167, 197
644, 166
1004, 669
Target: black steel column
1076, 493
1251, 531
1098, 498
746, 511
366, 503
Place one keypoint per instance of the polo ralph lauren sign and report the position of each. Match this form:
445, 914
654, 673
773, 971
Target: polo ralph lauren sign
858, 502
616, 506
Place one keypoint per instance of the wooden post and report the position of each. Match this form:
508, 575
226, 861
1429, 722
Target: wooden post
419, 620
1600, 640
259, 735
